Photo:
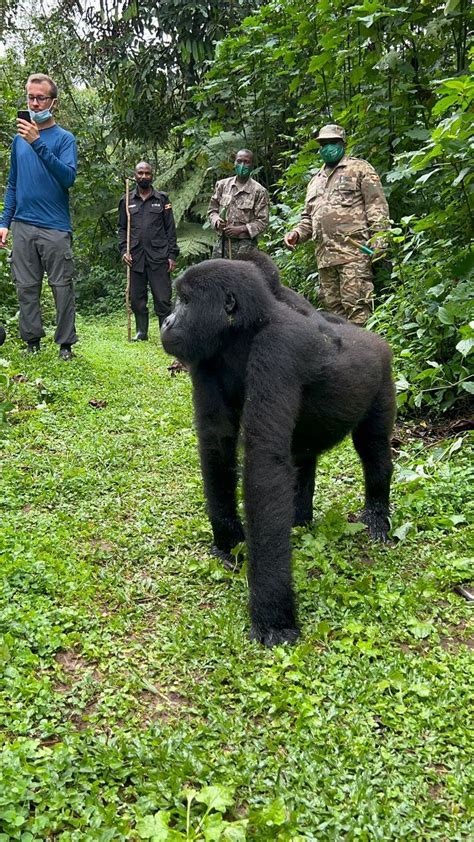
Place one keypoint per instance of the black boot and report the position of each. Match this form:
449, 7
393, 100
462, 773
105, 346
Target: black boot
141, 322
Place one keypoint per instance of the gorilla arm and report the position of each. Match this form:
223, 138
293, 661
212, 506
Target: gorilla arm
270, 411
218, 429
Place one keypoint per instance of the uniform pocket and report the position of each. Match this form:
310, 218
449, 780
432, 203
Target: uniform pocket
345, 198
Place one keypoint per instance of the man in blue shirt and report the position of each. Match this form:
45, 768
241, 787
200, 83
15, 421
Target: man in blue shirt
42, 169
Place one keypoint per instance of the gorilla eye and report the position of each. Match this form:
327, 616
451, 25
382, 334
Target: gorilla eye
184, 299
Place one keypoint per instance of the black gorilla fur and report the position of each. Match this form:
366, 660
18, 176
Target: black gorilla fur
296, 384
3, 335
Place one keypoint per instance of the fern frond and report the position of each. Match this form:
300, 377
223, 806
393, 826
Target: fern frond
184, 197
194, 231
168, 173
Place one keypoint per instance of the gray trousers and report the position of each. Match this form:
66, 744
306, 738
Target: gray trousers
37, 251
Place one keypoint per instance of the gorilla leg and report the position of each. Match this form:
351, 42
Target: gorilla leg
372, 442
305, 465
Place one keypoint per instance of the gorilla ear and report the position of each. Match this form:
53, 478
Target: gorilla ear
230, 303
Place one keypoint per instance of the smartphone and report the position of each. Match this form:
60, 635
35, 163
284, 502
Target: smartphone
23, 115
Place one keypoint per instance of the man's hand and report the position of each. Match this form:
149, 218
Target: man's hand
235, 230
171, 264
3, 237
127, 258
220, 224
28, 131
291, 240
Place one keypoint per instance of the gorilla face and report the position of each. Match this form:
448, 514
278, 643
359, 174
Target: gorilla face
199, 322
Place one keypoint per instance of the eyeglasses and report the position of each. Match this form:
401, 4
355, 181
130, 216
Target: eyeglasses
32, 98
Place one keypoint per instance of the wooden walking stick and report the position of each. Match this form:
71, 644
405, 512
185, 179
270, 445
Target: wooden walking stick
127, 288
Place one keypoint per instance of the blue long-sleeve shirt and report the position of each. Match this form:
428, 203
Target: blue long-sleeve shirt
41, 174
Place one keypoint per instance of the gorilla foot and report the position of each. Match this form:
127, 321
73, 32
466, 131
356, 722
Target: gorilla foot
228, 560
377, 524
274, 637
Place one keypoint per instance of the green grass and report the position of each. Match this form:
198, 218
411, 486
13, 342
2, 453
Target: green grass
132, 704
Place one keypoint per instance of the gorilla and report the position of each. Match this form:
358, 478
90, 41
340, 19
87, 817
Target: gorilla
295, 384
3, 334
271, 276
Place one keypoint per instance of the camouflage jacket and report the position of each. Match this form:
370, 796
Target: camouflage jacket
247, 204
344, 201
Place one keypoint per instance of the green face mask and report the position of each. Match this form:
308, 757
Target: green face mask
242, 170
331, 153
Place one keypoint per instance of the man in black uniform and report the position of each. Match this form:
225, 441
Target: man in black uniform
153, 248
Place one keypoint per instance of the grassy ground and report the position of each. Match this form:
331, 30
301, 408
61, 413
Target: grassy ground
132, 704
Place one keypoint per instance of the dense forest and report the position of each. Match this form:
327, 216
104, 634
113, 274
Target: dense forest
132, 703
184, 84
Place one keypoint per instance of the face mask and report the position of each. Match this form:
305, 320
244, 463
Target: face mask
40, 116
144, 183
242, 170
331, 153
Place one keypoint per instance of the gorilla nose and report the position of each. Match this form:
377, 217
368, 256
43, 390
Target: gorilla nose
168, 322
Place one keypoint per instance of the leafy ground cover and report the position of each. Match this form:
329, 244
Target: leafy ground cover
132, 705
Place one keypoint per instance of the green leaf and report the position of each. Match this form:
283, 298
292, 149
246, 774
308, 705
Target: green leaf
155, 827
424, 178
420, 629
318, 62
421, 690
451, 6
402, 531
465, 346
274, 815
464, 172
443, 104
235, 832
445, 317
215, 797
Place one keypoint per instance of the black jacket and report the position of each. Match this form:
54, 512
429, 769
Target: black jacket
152, 229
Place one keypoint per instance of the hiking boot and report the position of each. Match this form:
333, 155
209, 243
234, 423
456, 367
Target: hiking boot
141, 321
65, 352
33, 347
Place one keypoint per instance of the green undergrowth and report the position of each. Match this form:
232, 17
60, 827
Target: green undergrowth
132, 704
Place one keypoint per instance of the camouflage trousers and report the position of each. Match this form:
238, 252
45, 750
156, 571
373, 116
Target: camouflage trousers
348, 290
236, 247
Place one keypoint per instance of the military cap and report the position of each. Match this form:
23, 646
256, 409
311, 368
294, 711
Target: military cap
332, 132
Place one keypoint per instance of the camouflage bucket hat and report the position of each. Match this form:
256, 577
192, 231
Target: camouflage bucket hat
331, 132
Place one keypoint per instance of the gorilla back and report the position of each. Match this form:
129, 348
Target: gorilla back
296, 385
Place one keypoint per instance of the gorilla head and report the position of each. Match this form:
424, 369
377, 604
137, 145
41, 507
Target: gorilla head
212, 308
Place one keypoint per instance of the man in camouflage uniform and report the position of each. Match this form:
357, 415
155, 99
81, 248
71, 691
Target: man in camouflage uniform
238, 209
345, 206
